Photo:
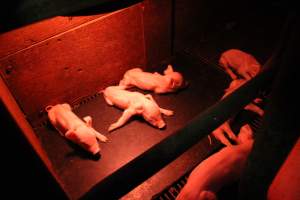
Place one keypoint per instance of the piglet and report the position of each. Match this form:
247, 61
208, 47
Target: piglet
73, 128
244, 64
171, 81
225, 129
134, 103
218, 170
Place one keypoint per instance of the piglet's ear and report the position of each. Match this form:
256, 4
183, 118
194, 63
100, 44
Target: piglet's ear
66, 106
172, 83
169, 70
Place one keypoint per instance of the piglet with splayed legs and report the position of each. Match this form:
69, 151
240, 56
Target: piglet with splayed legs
134, 103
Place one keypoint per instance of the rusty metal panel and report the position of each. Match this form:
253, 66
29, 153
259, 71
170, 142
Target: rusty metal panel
157, 25
23, 37
76, 63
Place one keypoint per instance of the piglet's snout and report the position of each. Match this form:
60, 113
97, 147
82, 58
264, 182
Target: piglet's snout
155, 119
161, 124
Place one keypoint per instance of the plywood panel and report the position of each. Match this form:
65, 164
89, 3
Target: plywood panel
26, 36
76, 63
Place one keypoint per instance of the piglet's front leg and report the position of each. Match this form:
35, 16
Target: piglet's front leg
166, 112
88, 120
220, 132
162, 110
254, 108
127, 114
225, 65
245, 134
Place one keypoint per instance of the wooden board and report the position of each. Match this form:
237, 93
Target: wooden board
78, 62
26, 36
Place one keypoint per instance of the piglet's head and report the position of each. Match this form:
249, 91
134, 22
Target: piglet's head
158, 123
154, 117
85, 137
176, 78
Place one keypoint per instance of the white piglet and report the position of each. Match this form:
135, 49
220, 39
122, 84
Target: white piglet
134, 103
171, 81
73, 128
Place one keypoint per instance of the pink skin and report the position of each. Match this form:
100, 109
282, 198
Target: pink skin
216, 171
74, 129
244, 64
134, 103
245, 134
220, 132
169, 82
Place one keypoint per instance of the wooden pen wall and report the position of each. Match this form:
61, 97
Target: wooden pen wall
64, 58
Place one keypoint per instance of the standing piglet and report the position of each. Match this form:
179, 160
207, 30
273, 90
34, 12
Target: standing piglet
244, 64
218, 170
134, 103
73, 128
171, 81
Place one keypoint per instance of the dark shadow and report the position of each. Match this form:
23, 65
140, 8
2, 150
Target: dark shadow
23, 170
17, 13
105, 7
80, 152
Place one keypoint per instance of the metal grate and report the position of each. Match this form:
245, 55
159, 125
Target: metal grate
173, 190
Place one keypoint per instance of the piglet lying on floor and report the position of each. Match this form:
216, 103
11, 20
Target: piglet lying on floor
73, 128
218, 170
171, 81
134, 103
220, 132
244, 64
